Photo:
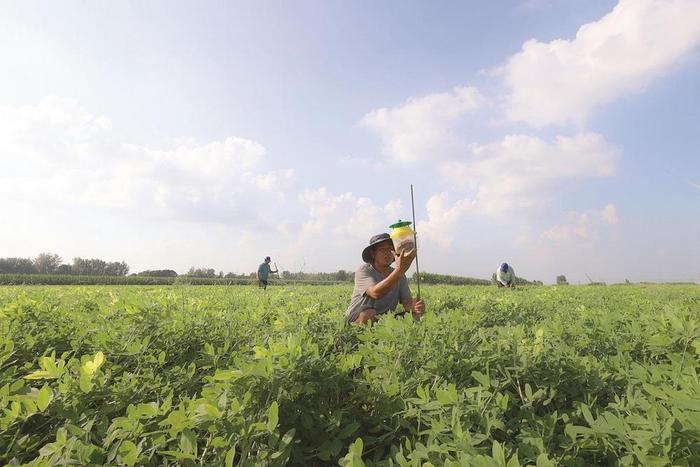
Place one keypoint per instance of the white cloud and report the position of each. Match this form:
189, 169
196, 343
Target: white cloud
520, 171
443, 219
609, 214
582, 226
421, 128
563, 81
345, 216
57, 152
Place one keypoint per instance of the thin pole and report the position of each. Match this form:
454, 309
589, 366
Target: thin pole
415, 241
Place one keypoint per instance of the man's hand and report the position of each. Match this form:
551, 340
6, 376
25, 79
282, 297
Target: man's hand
404, 259
418, 309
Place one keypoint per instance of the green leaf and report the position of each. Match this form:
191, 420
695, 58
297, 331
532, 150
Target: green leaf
128, 452
178, 455
85, 382
40, 374
354, 456
61, 435
498, 453
188, 442
44, 397
481, 378
272, 416
91, 366
229, 457
227, 375
147, 410
348, 430
587, 415
513, 462
544, 461
572, 431
287, 439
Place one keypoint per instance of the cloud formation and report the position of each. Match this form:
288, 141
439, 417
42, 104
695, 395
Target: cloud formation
421, 128
58, 152
520, 171
563, 81
439, 229
581, 226
345, 216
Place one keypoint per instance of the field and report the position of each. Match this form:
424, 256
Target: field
216, 375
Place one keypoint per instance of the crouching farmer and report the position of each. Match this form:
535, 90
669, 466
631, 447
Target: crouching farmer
379, 288
505, 276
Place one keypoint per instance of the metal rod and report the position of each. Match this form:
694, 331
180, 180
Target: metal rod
415, 241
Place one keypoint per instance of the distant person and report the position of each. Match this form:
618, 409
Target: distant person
505, 276
263, 273
379, 288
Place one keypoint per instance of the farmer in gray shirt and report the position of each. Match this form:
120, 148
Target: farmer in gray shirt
379, 288
505, 276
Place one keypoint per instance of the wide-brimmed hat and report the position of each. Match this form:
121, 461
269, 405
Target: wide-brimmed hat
379, 238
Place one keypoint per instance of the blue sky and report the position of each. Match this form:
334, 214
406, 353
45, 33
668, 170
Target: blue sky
560, 136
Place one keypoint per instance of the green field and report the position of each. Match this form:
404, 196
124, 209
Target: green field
231, 375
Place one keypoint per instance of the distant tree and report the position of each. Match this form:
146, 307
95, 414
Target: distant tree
201, 272
342, 275
17, 266
98, 267
431, 278
158, 273
88, 267
233, 275
117, 268
561, 280
47, 263
64, 269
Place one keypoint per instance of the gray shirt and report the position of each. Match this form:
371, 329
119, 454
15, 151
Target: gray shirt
365, 277
507, 277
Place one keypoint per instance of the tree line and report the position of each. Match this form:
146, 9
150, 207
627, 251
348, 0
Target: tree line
50, 263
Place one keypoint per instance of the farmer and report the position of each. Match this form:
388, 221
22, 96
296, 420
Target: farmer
263, 273
505, 276
379, 287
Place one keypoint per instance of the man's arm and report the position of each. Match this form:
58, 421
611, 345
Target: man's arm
403, 262
416, 307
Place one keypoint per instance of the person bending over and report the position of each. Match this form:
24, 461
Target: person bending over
505, 276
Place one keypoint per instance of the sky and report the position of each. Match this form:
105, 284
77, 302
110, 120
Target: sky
560, 136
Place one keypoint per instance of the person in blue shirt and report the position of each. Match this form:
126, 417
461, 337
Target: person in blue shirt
264, 272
